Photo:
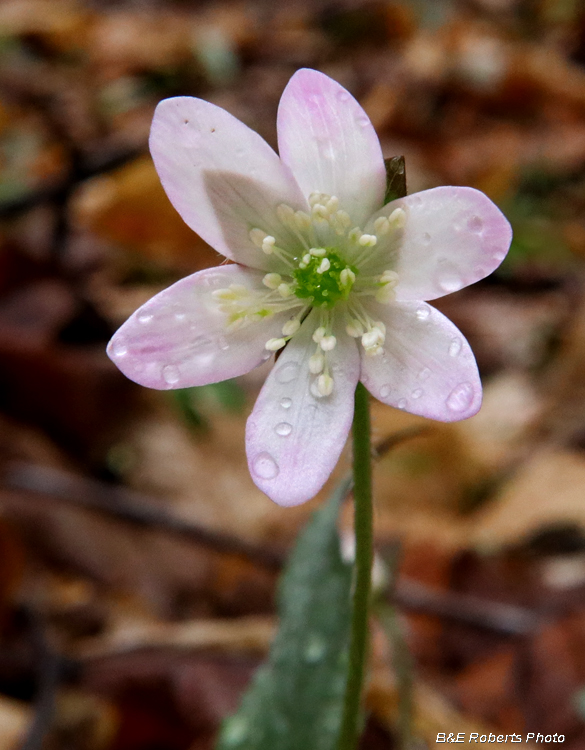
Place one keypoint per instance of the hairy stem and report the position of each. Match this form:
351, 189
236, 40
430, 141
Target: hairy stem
362, 476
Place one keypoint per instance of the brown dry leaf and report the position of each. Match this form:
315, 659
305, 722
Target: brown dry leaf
548, 489
250, 634
61, 23
129, 207
431, 712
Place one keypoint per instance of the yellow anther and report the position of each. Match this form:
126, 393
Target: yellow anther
284, 290
257, 236
398, 218
382, 226
368, 240
325, 384
319, 333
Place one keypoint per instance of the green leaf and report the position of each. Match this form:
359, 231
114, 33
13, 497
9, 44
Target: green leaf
395, 178
295, 701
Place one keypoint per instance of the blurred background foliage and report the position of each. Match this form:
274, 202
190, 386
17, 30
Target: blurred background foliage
137, 559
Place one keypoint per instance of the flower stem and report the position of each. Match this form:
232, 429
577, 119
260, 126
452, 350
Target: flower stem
362, 476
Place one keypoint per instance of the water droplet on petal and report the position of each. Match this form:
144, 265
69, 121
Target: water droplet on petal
424, 374
363, 121
385, 391
449, 282
283, 429
417, 393
119, 349
328, 152
423, 313
402, 403
222, 343
286, 403
179, 317
426, 238
460, 397
287, 372
264, 466
475, 224
343, 96
316, 649
144, 318
454, 347
171, 374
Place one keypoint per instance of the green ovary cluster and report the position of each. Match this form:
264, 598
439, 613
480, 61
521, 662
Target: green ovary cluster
324, 287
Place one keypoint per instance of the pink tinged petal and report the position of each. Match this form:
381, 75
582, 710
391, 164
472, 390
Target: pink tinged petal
428, 367
222, 177
328, 141
179, 338
293, 439
453, 237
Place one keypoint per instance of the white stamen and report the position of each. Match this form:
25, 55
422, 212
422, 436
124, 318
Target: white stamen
354, 329
318, 252
303, 220
332, 204
272, 280
398, 218
273, 345
306, 258
325, 384
368, 240
389, 277
382, 226
284, 290
316, 363
319, 333
347, 277
291, 327
355, 234
343, 218
372, 338
325, 265
285, 214
315, 198
374, 351
257, 236
385, 294
328, 343
268, 244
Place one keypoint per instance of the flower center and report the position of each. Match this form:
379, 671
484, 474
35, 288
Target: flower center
323, 277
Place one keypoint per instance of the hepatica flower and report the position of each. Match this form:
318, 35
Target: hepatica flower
324, 274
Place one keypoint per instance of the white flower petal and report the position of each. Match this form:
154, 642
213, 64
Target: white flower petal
179, 338
222, 177
294, 439
427, 368
328, 141
453, 237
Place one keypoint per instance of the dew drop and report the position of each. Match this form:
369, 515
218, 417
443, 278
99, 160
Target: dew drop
362, 121
423, 313
385, 391
343, 96
223, 344
424, 374
415, 200
264, 466
315, 649
417, 393
138, 367
460, 397
179, 317
144, 318
286, 403
454, 347
475, 224
171, 374
449, 283
283, 429
119, 349
426, 238
401, 404
287, 373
